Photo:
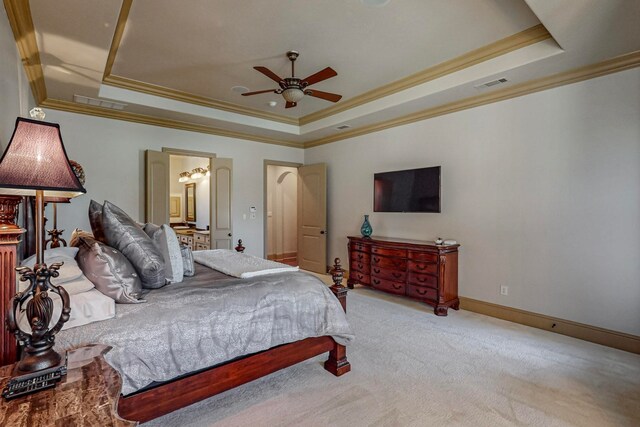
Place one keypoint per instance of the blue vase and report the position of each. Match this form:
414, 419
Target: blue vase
366, 229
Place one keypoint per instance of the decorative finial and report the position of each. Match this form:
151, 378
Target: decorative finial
37, 113
337, 273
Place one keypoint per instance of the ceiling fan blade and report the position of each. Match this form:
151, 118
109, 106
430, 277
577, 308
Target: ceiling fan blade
321, 75
267, 72
290, 104
257, 92
333, 97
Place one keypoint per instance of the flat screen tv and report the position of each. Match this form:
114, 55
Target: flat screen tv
413, 190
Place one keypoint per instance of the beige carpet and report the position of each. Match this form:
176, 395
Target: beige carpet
411, 368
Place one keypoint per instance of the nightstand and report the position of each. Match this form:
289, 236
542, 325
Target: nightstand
87, 396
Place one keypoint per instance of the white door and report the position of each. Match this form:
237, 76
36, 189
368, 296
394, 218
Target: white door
157, 187
222, 221
312, 217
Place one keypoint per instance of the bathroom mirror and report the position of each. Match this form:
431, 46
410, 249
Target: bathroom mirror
190, 199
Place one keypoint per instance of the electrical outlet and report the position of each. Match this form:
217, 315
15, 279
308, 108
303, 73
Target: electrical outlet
504, 290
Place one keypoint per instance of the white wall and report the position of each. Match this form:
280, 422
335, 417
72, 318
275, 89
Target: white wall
15, 97
112, 154
542, 191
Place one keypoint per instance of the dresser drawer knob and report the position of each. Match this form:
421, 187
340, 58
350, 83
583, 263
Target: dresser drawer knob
360, 265
397, 275
421, 279
396, 286
376, 270
376, 281
421, 291
376, 259
359, 256
421, 266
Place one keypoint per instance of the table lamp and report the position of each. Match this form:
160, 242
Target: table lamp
35, 163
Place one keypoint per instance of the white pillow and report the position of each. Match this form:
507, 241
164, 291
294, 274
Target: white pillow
87, 307
69, 270
166, 240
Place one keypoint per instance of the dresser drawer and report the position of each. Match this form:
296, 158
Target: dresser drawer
386, 262
423, 256
186, 239
362, 267
420, 279
202, 246
389, 274
358, 246
360, 257
422, 293
200, 238
359, 277
388, 286
389, 252
423, 266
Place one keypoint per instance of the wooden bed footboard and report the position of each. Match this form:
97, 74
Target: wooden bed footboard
167, 397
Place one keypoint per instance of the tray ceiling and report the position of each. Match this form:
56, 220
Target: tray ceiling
179, 60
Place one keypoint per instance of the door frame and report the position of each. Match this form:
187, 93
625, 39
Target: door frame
264, 198
202, 154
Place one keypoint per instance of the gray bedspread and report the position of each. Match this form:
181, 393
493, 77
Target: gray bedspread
201, 322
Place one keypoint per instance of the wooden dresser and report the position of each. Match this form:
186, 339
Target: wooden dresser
417, 269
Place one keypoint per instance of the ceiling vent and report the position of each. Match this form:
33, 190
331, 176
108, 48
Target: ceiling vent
491, 83
343, 127
99, 102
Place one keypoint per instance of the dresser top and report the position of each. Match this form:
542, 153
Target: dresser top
401, 241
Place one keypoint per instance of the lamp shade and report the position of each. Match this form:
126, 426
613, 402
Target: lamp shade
35, 159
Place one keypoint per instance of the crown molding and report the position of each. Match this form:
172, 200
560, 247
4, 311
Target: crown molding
19, 14
74, 107
165, 92
516, 41
614, 65
117, 36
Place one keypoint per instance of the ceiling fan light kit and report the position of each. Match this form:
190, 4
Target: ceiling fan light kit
294, 89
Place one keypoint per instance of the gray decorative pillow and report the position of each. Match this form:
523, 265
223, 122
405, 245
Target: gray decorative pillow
187, 261
167, 242
109, 271
122, 233
95, 219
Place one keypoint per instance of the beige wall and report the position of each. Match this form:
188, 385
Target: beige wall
542, 191
282, 204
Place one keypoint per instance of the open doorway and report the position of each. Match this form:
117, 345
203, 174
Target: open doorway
295, 215
190, 200
186, 196
281, 222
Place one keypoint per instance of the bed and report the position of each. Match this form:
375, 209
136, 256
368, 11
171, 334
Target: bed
213, 332
205, 335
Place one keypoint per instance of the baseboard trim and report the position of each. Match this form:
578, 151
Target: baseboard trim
607, 337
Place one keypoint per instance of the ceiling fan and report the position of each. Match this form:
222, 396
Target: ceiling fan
294, 89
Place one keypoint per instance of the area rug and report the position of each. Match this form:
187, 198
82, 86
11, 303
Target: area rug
411, 368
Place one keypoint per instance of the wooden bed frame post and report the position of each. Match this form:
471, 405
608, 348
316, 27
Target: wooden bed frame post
10, 235
337, 363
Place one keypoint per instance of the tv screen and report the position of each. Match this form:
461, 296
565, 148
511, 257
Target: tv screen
414, 190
